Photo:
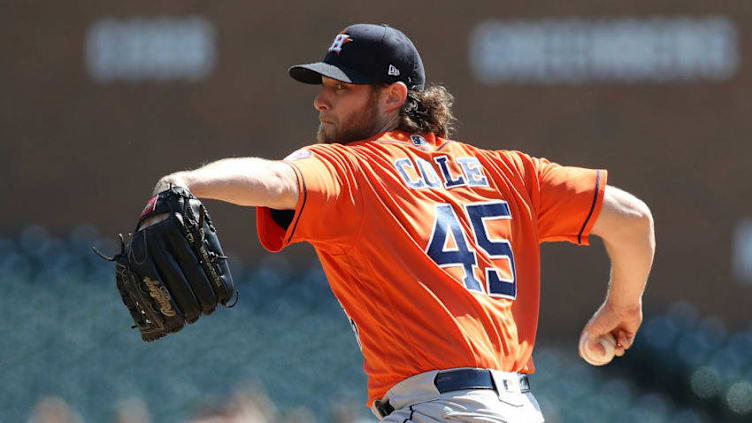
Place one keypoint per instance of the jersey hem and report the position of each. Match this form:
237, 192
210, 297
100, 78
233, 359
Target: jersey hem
601, 179
275, 241
301, 204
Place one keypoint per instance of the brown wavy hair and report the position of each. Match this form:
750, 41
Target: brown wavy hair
429, 110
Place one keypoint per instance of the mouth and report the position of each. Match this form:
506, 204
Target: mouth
326, 121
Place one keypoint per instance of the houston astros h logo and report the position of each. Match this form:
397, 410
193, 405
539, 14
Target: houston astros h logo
339, 41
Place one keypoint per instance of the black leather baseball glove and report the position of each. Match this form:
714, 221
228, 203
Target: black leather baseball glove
172, 269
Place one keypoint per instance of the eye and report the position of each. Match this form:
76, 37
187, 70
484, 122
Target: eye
340, 86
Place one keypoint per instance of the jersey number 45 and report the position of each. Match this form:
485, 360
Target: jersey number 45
464, 253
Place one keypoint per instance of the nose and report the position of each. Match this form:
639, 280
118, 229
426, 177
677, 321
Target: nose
319, 102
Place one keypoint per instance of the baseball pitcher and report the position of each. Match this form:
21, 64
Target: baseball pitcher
432, 245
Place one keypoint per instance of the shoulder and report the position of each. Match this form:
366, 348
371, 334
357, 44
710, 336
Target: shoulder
320, 159
513, 164
513, 158
518, 158
317, 150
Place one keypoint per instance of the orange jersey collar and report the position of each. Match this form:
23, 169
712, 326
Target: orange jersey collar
407, 137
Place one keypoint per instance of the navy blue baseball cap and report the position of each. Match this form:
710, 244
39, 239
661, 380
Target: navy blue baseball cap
367, 54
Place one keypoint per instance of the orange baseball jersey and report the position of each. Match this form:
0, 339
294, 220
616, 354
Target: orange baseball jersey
432, 246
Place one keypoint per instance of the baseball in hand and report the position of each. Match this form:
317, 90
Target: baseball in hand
593, 355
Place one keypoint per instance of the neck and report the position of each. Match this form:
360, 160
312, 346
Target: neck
389, 124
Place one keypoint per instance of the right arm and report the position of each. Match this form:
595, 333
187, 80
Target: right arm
626, 226
242, 181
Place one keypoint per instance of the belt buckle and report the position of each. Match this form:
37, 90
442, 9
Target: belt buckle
510, 382
509, 388
524, 383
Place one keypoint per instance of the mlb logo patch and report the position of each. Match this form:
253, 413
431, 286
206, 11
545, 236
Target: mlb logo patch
418, 140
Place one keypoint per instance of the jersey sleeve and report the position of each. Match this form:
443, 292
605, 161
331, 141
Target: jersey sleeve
570, 201
329, 210
567, 199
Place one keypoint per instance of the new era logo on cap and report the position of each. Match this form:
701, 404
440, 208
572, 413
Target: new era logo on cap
393, 71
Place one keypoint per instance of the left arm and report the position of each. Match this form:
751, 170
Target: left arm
244, 181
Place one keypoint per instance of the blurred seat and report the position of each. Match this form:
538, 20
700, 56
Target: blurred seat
289, 333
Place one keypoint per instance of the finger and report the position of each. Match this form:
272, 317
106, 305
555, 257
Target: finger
146, 270
223, 285
590, 341
153, 220
192, 270
173, 276
597, 346
619, 351
583, 344
624, 339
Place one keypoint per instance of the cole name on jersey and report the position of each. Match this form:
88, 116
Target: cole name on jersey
421, 174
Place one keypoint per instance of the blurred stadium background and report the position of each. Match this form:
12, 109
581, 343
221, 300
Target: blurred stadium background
102, 98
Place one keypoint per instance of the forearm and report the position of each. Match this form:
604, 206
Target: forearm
626, 227
241, 181
631, 255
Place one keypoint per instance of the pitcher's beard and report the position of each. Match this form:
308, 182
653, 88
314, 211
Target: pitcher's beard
357, 127
331, 135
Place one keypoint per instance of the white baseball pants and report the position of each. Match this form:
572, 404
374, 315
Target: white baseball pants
417, 400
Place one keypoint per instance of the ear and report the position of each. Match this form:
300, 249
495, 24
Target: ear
394, 96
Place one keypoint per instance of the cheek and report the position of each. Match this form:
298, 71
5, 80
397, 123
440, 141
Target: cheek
343, 109
341, 114
355, 107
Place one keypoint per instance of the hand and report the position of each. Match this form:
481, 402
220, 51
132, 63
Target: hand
621, 321
597, 351
176, 179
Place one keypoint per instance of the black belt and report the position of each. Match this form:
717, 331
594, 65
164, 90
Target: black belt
461, 379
